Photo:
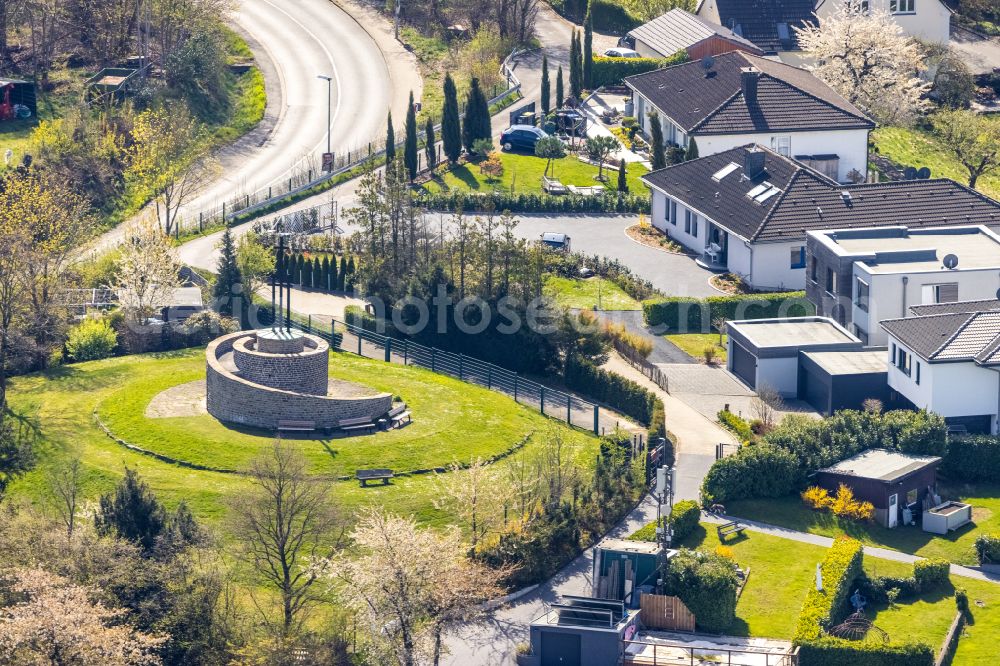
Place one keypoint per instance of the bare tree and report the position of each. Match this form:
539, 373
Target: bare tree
719, 324
146, 273
285, 524
64, 482
474, 494
765, 405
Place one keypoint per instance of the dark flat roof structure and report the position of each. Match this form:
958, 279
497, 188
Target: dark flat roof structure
862, 362
881, 465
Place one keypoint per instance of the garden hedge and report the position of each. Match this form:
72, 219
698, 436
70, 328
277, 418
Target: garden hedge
830, 651
620, 393
758, 470
988, 548
973, 458
736, 424
686, 314
684, 518
608, 15
932, 573
611, 71
707, 585
534, 203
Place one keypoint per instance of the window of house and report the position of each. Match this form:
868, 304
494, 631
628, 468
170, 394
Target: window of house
688, 221
940, 293
902, 6
813, 272
892, 357
798, 257
903, 362
911, 497
782, 145
831, 281
861, 295
861, 334
918, 373
672, 212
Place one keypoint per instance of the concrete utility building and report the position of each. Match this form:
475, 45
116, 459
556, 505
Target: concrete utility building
891, 481
861, 277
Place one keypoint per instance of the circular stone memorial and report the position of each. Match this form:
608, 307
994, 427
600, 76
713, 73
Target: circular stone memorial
266, 377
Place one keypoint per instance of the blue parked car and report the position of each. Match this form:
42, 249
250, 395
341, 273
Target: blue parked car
521, 137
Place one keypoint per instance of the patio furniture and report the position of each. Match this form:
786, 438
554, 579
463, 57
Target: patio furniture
365, 475
726, 529
398, 415
587, 191
553, 186
713, 251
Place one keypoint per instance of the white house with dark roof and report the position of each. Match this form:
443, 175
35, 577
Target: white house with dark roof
747, 210
679, 30
926, 20
947, 361
739, 98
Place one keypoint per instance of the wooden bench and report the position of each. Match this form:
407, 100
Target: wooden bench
726, 529
365, 475
360, 423
398, 414
297, 425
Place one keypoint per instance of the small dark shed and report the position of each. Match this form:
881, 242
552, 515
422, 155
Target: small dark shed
17, 99
891, 481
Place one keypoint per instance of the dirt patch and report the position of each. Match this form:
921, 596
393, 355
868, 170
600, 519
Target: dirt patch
651, 237
181, 400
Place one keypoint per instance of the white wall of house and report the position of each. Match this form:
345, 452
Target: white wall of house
672, 132
782, 374
772, 267
739, 257
850, 145
688, 227
928, 20
647, 51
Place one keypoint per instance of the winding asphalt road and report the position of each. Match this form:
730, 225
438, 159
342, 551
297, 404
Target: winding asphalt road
295, 41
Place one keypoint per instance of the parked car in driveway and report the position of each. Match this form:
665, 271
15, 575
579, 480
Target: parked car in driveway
622, 52
521, 137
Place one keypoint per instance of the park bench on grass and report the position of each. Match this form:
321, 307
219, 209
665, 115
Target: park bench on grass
365, 475
587, 190
553, 186
359, 423
731, 527
397, 415
304, 426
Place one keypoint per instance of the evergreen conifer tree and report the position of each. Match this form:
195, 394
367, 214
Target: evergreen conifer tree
575, 75
560, 89
342, 278
588, 50
410, 147
546, 92
622, 178
477, 117
334, 277
659, 156
390, 140
429, 145
451, 130
131, 512
325, 285
692, 150
228, 276
300, 265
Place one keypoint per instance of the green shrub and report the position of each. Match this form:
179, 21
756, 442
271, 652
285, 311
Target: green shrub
658, 425
973, 458
707, 585
686, 314
620, 393
684, 518
829, 651
758, 470
932, 573
91, 340
988, 548
737, 425
877, 588
962, 601
611, 71
534, 203
841, 566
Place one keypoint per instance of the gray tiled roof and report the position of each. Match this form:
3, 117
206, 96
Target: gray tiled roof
711, 101
679, 30
758, 20
956, 307
950, 337
810, 201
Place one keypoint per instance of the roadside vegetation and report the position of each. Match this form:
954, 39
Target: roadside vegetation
589, 293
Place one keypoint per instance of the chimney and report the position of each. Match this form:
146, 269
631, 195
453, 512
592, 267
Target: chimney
753, 163
748, 80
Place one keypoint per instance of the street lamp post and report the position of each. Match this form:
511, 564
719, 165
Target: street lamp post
329, 102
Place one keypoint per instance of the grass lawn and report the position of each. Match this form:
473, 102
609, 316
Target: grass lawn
955, 546
523, 175
693, 344
916, 148
451, 421
583, 294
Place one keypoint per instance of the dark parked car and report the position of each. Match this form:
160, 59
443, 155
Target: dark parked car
521, 137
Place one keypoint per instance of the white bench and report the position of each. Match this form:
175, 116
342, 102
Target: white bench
397, 415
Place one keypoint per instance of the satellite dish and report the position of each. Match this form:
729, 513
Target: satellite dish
909, 173
950, 261
923, 173
708, 62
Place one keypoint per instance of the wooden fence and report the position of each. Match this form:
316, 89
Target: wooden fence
657, 611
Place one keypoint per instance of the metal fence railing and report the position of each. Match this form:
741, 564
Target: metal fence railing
550, 402
305, 174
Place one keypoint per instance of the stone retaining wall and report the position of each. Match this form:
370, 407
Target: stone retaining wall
235, 399
304, 372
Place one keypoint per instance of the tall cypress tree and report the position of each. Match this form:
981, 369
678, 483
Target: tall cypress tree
342, 278
390, 140
560, 89
451, 131
692, 150
659, 157
588, 50
228, 276
334, 278
477, 117
326, 273
300, 265
317, 270
349, 280
622, 178
410, 147
574, 65
546, 101
429, 147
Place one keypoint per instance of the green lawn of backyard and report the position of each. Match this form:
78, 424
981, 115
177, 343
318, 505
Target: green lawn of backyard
588, 293
451, 421
693, 344
782, 572
523, 175
917, 148
955, 546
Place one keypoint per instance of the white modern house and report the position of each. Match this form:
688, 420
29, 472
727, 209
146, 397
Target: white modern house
740, 98
748, 210
947, 360
926, 20
863, 276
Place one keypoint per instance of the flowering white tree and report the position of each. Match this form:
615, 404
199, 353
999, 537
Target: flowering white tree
52, 621
866, 57
474, 494
146, 273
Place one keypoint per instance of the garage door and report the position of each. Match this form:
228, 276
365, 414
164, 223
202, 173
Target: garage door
744, 365
559, 649
816, 391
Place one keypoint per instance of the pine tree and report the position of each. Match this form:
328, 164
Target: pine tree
560, 88
451, 130
131, 512
229, 276
575, 82
300, 265
692, 150
429, 145
588, 50
477, 117
342, 278
390, 141
622, 178
659, 157
410, 147
317, 271
546, 101
325, 286
334, 277
349, 279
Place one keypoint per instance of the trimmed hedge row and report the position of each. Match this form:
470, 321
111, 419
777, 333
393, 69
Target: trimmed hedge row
611, 71
758, 470
707, 585
534, 203
620, 393
736, 424
988, 548
684, 518
973, 458
828, 651
686, 314
932, 573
